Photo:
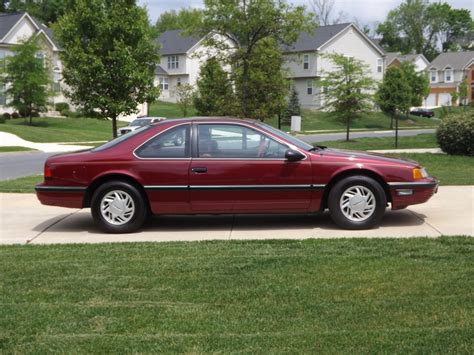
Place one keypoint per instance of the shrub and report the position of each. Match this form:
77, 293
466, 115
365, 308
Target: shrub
61, 106
15, 115
7, 116
455, 135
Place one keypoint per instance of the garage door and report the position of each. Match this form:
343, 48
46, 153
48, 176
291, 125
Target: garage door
430, 100
444, 99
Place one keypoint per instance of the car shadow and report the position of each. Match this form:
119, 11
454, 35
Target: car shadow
83, 222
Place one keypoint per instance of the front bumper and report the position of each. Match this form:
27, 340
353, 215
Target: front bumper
404, 194
63, 196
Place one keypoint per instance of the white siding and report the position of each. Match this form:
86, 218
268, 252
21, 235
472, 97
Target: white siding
22, 31
295, 66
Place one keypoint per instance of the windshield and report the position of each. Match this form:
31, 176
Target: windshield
120, 139
140, 122
298, 142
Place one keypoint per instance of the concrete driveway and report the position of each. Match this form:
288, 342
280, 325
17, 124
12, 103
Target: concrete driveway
24, 220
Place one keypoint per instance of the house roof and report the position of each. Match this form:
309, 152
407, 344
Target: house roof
455, 60
8, 21
173, 42
391, 56
311, 41
160, 71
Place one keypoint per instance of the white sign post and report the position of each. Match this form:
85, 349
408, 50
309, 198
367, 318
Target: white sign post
296, 123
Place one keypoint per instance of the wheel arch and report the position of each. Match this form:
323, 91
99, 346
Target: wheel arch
353, 172
115, 176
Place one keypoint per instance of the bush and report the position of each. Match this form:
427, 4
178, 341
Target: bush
455, 135
61, 106
7, 116
15, 115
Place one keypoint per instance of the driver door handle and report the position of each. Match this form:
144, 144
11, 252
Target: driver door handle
199, 170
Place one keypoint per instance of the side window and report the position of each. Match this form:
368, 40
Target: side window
173, 143
235, 141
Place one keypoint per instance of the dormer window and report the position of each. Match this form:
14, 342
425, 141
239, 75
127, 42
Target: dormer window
448, 75
173, 62
306, 61
433, 76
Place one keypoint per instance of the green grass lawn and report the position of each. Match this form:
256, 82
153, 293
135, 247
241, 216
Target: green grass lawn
168, 110
46, 130
419, 141
312, 296
14, 149
451, 170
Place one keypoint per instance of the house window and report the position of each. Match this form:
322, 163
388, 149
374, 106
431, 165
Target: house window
173, 62
306, 61
3, 96
163, 83
178, 81
433, 76
379, 65
448, 75
309, 87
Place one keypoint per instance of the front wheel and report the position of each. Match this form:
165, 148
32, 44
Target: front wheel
357, 202
118, 207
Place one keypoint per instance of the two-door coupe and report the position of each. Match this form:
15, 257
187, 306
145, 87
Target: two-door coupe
216, 166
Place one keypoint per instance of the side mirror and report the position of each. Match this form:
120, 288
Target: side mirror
293, 155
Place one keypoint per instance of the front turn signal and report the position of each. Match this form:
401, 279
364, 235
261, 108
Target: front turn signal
419, 173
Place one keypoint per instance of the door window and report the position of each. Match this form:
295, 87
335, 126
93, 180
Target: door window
173, 143
235, 141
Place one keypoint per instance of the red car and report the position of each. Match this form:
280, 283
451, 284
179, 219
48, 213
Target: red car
216, 166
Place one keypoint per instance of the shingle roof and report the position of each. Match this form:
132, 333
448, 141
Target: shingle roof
401, 57
160, 71
456, 60
7, 21
311, 41
173, 42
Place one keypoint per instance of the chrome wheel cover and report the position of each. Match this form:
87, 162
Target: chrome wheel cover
357, 203
117, 207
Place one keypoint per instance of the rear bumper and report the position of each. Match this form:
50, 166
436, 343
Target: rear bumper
63, 196
404, 194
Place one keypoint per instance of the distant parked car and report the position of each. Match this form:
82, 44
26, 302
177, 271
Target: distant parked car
139, 122
422, 112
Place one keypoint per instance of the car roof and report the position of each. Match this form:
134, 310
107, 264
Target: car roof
213, 119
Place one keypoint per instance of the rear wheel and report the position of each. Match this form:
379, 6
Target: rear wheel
118, 207
357, 202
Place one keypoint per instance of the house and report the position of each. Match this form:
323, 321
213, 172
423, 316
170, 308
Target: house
395, 59
19, 26
181, 58
446, 72
305, 63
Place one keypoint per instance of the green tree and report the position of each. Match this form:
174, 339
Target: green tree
463, 91
109, 56
394, 95
242, 27
348, 88
27, 79
418, 82
454, 98
47, 11
293, 108
215, 96
185, 93
184, 19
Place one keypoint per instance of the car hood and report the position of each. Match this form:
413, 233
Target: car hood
365, 157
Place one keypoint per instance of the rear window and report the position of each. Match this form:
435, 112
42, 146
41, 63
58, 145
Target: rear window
120, 139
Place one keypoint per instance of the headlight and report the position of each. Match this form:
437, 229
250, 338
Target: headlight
419, 173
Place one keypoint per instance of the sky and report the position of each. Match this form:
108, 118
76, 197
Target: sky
366, 11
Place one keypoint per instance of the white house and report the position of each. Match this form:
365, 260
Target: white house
396, 58
446, 72
17, 27
305, 63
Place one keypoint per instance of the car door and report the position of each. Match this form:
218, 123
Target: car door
164, 162
239, 168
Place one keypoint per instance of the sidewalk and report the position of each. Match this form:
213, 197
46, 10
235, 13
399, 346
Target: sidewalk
11, 140
415, 150
24, 220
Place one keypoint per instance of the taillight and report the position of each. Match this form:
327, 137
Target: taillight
48, 173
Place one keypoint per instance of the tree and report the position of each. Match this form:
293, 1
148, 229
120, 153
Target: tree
418, 82
215, 96
347, 88
463, 93
324, 12
27, 79
293, 108
185, 93
109, 56
454, 98
240, 28
178, 20
47, 11
394, 95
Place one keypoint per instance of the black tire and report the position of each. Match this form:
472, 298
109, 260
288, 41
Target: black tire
338, 190
138, 216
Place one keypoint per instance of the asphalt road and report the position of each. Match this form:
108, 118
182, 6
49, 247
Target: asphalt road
13, 165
